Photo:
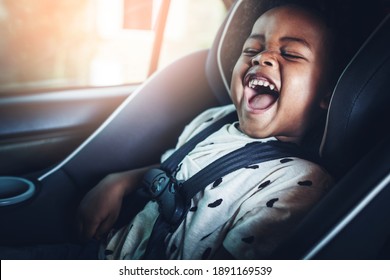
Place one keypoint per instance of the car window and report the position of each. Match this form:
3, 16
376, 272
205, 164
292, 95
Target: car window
50, 44
192, 25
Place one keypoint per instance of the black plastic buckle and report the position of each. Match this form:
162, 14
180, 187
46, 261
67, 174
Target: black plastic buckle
164, 190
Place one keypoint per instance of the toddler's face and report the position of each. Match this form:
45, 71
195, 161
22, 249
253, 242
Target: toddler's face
279, 83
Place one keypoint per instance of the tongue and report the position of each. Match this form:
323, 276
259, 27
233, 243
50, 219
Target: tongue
262, 101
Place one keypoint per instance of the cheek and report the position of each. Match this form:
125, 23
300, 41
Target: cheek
306, 86
300, 97
236, 87
311, 101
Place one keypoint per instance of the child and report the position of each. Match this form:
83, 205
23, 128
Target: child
280, 88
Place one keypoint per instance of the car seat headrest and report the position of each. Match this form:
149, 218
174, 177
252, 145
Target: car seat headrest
359, 111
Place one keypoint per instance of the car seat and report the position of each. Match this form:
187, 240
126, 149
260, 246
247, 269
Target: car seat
351, 221
150, 120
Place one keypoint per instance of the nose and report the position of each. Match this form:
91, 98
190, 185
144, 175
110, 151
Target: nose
264, 58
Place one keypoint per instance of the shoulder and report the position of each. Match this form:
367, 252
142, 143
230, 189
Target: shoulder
294, 173
199, 123
203, 120
301, 168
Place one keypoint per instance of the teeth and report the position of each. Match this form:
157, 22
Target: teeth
253, 83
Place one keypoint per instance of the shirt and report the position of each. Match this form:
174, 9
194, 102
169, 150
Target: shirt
249, 211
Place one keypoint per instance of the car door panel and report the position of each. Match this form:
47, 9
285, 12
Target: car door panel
38, 130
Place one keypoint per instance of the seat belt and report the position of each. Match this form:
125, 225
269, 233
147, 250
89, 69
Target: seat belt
174, 197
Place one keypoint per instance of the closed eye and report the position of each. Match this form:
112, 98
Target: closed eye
250, 52
292, 56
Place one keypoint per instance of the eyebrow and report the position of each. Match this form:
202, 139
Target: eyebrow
301, 41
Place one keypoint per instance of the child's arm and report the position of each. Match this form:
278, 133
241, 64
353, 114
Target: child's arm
100, 208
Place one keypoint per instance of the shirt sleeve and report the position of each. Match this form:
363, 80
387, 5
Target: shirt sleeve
268, 217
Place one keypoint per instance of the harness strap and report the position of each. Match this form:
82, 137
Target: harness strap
252, 153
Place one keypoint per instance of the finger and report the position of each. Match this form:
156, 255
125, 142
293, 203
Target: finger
90, 228
104, 227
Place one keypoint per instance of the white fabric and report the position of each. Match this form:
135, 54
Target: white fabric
249, 211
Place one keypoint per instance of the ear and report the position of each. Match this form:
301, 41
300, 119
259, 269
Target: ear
325, 101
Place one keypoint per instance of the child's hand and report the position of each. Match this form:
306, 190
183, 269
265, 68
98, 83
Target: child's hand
100, 208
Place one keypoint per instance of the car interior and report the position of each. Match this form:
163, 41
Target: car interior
350, 222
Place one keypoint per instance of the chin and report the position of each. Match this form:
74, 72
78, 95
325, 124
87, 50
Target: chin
252, 132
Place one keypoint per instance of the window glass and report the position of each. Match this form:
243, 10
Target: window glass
192, 25
76, 43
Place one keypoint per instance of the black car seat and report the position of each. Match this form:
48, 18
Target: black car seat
351, 221
151, 119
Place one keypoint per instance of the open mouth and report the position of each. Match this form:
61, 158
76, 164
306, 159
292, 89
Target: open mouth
261, 92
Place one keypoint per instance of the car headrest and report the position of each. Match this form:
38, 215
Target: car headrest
359, 112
